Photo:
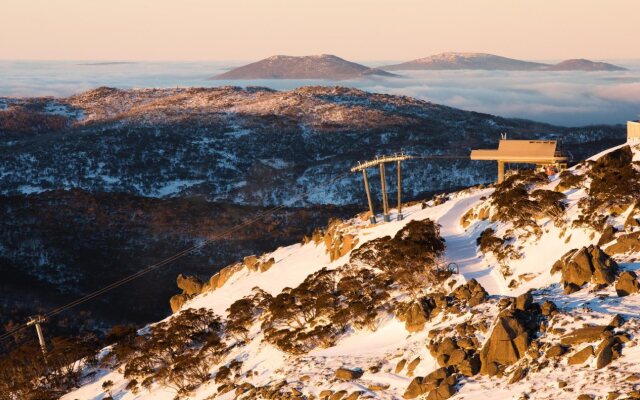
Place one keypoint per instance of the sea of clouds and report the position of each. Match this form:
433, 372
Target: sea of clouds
560, 98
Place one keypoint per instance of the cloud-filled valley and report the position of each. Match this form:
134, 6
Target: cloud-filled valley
561, 98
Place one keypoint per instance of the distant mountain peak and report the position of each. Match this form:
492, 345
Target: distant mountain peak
319, 66
582, 64
485, 61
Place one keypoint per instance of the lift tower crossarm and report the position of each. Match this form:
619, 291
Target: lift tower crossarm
379, 160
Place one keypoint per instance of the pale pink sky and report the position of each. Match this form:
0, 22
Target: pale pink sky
354, 29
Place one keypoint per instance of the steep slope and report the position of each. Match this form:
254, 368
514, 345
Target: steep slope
361, 311
490, 62
324, 66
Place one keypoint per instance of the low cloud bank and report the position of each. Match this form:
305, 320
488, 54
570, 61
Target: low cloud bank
561, 98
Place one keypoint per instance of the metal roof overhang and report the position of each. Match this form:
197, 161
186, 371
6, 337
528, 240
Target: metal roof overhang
496, 155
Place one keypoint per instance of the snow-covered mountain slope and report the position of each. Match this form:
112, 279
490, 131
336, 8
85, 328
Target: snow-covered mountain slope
251, 146
362, 311
483, 61
323, 66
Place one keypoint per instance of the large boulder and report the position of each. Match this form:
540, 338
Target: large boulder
190, 285
176, 302
627, 284
581, 356
608, 349
415, 317
439, 385
347, 374
471, 293
588, 264
508, 342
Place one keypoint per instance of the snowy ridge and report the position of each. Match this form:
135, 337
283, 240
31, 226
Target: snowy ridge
381, 350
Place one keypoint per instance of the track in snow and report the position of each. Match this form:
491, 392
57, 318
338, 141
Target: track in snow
462, 248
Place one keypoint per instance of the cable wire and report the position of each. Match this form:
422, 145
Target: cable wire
193, 248
172, 258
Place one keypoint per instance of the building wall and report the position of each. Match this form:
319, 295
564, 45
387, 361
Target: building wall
633, 132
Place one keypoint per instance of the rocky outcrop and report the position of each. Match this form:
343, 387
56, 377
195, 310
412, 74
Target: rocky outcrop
176, 302
416, 314
456, 355
471, 293
251, 263
190, 285
481, 214
439, 385
608, 350
629, 243
589, 264
221, 277
627, 284
633, 220
415, 317
336, 241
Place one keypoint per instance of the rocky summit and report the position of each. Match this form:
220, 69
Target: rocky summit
463, 298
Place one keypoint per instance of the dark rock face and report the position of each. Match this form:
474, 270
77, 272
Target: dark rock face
627, 284
589, 264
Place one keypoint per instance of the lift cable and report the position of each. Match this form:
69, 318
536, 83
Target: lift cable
172, 258
193, 248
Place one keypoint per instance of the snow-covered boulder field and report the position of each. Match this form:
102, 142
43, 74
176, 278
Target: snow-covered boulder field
523, 290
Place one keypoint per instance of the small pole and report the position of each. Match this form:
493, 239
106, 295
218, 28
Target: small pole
372, 219
399, 195
500, 171
37, 320
385, 204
